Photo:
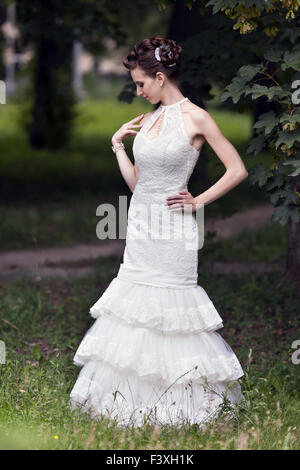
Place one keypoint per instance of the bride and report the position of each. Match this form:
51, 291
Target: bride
153, 354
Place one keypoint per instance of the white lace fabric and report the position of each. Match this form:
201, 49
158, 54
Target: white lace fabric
153, 352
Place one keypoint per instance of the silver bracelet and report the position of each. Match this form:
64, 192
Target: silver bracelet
117, 146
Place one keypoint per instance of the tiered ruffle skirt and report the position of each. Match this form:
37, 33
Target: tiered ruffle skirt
153, 355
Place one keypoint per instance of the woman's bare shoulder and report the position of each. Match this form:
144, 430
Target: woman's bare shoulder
199, 117
193, 109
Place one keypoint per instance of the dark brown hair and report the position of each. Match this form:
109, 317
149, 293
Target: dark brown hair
143, 55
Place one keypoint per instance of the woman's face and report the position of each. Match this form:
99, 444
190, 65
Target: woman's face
146, 86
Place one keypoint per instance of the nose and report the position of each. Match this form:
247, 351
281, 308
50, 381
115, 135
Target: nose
139, 92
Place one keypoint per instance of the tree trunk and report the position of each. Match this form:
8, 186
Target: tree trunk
293, 258
53, 96
292, 272
2, 20
292, 269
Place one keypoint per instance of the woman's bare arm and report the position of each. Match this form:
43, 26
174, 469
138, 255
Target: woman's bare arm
128, 170
235, 172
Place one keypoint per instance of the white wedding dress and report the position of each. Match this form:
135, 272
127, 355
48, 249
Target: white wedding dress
153, 354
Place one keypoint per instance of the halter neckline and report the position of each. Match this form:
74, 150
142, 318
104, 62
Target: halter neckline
174, 104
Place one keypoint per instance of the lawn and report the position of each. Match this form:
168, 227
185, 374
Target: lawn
43, 323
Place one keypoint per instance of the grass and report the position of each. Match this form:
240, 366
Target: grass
87, 162
51, 223
266, 244
43, 323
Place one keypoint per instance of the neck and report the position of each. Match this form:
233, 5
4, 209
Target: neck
171, 97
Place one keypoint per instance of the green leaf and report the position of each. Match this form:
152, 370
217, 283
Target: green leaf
36, 351
258, 174
296, 165
248, 72
291, 197
271, 92
288, 138
234, 90
267, 121
292, 33
216, 4
291, 60
287, 195
256, 144
274, 55
292, 118
282, 214
257, 91
276, 181
276, 195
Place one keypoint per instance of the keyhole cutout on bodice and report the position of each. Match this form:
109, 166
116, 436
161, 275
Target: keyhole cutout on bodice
156, 127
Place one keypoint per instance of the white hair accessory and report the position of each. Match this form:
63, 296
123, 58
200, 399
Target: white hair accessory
164, 46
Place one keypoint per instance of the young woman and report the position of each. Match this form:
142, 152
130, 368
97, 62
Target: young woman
154, 355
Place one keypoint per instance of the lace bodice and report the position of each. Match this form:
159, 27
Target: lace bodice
165, 162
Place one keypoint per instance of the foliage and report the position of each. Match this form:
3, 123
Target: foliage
266, 69
279, 66
206, 47
85, 20
50, 28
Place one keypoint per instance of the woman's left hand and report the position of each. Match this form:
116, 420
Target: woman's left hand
183, 201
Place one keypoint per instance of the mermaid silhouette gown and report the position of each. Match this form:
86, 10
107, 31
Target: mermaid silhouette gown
153, 353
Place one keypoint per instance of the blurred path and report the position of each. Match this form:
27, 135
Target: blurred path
77, 260
250, 219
